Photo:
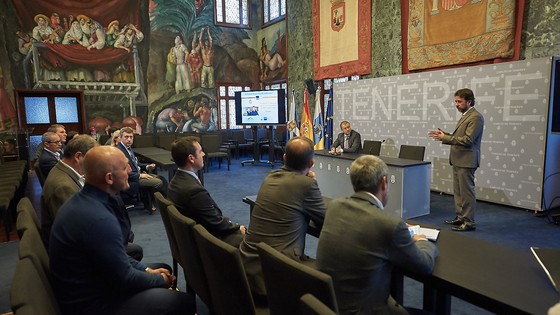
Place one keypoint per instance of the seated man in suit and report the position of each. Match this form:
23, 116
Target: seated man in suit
192, 199
348, 140
139, 178
90, 270
50, 155
360, 244
287, 200
60, 130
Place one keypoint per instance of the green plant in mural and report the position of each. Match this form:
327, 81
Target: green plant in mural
182, 17
544, 34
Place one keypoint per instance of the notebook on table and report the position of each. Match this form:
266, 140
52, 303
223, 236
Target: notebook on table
549, 260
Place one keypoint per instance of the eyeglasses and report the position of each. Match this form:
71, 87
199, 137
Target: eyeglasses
57, 142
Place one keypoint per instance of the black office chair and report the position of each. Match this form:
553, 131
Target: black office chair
211, 144
372, 147
226, 276
287, 280
412, 152
310, 305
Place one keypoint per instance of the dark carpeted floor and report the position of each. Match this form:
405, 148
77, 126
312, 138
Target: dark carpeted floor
495, 223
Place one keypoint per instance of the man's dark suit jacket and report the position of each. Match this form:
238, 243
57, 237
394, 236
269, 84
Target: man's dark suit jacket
47, 161
194, 201
61, 184
286, 201
358, 247
134, 175
354, 142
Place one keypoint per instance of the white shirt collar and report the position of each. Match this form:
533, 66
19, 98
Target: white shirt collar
377, 201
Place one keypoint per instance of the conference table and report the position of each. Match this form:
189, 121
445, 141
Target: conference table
497, 278
409, 181
163, 160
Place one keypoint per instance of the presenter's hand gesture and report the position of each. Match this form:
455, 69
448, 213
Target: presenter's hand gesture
436, 134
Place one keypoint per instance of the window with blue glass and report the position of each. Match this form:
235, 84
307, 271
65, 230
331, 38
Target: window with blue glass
37, 110
66, 109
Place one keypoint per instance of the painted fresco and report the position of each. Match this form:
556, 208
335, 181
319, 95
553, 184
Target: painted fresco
188, 55
272, 56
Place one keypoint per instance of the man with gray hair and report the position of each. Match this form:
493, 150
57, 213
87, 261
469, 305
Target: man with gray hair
64, 180
360, 243
50, 154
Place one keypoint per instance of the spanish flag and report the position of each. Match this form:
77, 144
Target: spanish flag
306, 126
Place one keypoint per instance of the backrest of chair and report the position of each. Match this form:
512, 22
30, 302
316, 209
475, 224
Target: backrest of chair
310, 305
163, 204
143, 141
183, 228
226, 276
31, 246
287, 280
412, 152
25, 205
24, 222
210, 142
29, 290
372, 147
164, 140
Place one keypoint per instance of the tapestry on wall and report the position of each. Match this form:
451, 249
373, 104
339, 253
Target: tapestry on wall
438, 33
342, 38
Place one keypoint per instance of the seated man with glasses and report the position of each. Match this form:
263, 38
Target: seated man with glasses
50, 154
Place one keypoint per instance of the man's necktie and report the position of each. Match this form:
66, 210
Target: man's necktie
346, 142
134, 161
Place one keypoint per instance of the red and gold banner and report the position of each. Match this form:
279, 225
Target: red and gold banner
438, 33
341, 38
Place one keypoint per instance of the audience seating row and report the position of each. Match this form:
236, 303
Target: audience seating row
214, 271
31, 292
12, 189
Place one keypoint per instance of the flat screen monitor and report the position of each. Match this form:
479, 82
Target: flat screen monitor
260, 107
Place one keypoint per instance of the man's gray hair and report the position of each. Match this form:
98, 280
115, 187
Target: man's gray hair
366, 173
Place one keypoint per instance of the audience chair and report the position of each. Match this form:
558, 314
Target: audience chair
412, 152
163, 204
372, 147
40, 174
24, 222
190, 259
226, 276
29, 294
287, 280
165, 139
278, 144
310, 305
25, 205
240, 142
32, 247
211, 143
143, 141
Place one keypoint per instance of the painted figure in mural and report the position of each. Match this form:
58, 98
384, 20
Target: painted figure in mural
112, 32
42, 32
75, 35
129, 36
58, 31
84, 24
195, 61
97, 39
207, 53
198, 6
203, 120
179, 58
270, 62
171, 119
7, 110
24, 42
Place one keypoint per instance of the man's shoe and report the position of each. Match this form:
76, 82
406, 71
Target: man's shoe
466, 226
455, 221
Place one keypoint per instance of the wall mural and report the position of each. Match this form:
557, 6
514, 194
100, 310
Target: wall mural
188, 55
180, 56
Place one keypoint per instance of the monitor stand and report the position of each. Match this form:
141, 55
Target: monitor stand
256, 152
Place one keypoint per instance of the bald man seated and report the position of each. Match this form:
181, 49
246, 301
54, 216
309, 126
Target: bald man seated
90, 270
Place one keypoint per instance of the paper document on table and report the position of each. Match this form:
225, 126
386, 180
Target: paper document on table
548, 258
431, 234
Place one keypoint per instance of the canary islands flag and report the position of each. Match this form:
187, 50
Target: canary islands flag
318, 132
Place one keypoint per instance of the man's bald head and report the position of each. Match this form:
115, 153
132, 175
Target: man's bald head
299, 153
106, 168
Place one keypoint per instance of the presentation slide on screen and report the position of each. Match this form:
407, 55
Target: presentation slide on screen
259, 107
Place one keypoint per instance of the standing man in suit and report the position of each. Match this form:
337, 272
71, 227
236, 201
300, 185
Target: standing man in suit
287, 200
90, 270
50, 155
348, 140
360, 243
65, 179
138, 177
192, 199
464, 156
